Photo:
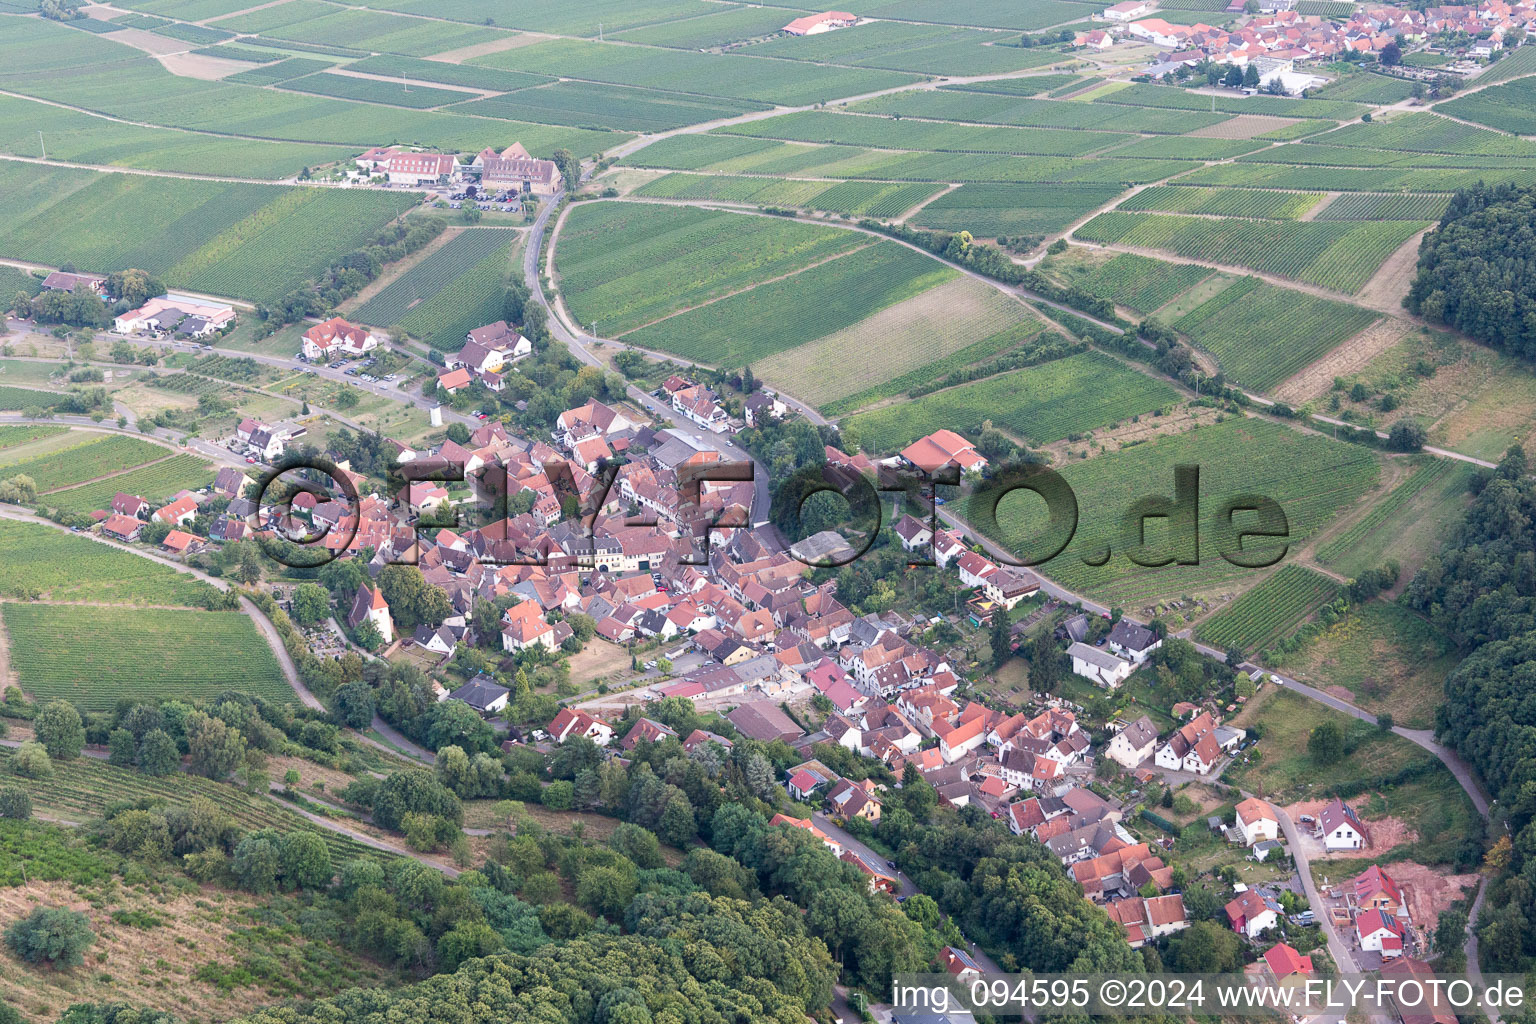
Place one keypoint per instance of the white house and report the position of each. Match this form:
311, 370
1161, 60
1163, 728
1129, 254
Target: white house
1379, 932
1101, 667
575, 722
483, 694
337, 337
1133, 744
1127, 11
1133, 641
1251, 914
370, 605
1341, 828
1257, 821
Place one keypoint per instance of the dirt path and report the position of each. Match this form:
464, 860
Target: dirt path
1351, 356
5, 658
1320, 207
1388, 286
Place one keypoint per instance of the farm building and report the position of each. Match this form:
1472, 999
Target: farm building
815, 24
514, 168
170, 312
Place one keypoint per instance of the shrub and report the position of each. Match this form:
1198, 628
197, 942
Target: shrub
32, 761
51, 935
15, 803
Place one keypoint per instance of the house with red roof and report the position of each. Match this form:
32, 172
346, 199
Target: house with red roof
524, 627
337, 337
454, 381
1285, 963
179, 542
130, 505
178, 513
1379, 932
942, 448
1251, 914
804, 824
815, 24
369, 605
122, 527
1374, 889
575, 722
646, 729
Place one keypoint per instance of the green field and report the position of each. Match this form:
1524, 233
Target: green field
1406, 523
1384, 206
466, 75
92, 456
473, 299
95, 657
1368, 88
1262, 334
1507, 107
153, 483
1036, 405
313, 22
220, 238
437, 271
988, 211
1356, 179
804, 307
988, 108
15, 435
728, 25
1270, 611
368, 90
588, 105
623, 265
1140, 282
878, 199
15, 399
927, 49
1309, 476
1227, 202
935, 136
282, 71
1338, 255
57, 566
1180, 99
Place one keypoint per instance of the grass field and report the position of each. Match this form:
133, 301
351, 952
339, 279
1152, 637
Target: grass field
1312, 478
95, 657
1139, 282
435, 272
1263, 334
1037, 405
825, 299
916, 337
1406, 524
1270, 611
473, 299
625, 264
1386, 657
154, 483
15, 435
61, 567
1338, 255
93, 455
221, 238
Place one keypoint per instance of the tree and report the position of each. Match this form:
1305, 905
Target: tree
216, 749
1205, 948
51, 935
133, 287
257, 863
31, 761
1326, 743
158, 753
1391, 55
570, 168
121, 748
1251, 77
638, 844
999, 637
59, 730
1407, 435
304, 860
412, 600
15, 803
311, 604
355, 705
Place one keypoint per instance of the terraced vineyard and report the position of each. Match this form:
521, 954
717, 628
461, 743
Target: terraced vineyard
94, 455
1270, 610
438, 270
1228, 202
97, 656
84, 788
625, 264
1038, 405
1262, 334
58, 566
154, 483
1338, 255
1309, 476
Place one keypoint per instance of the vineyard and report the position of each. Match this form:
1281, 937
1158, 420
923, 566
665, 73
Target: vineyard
1263, 334
584, 104
369, 90
1430, 133
1434, 486
153, 483
438, 270
729, 25
855, 198
189, 384
987, 108
1228, 202
1353, 179
370, 31
282, 71
1368, 88
930, 49
1507, 107
1270, 610
96, 455
625, 264
754, 324
14, 436
1384, 206
1340, 255
1179, 99
1034, 85
58, 566
988, 211
934, 136
1038, 405
85, 787
16, 399
474, 299
1140, 282
466, 75
1309, 476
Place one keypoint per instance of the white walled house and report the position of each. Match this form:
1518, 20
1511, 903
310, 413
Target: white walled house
1257, 821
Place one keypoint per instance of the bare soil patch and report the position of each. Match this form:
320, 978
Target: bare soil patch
1348, 358
464, 53
1115, 438
201, 66
1428, 892
1386, 289
149, 42
1243, 126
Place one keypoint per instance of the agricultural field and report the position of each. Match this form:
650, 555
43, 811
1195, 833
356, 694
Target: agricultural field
220, 238
1412, 518
1226, 202
1126, 279
1513, 64
282, 71
927, 49
1311, 477
1356, 179
1368, 88
988, 211
13, 399
1269, 611
1262, 334
368, 90
95, 657
722, 28
706, 74
1032, 85
987, 108
46, 562
934, 136
1037, 405
961, 318
623, 265
438, 270
1384, 206
1507, 107
467, 76
16, 435
588, 105
473, 299
309, 21
154, 483
92, 456
1385, 657
1180, 99
1430, 133
828, 297
877, 199
1338, 255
